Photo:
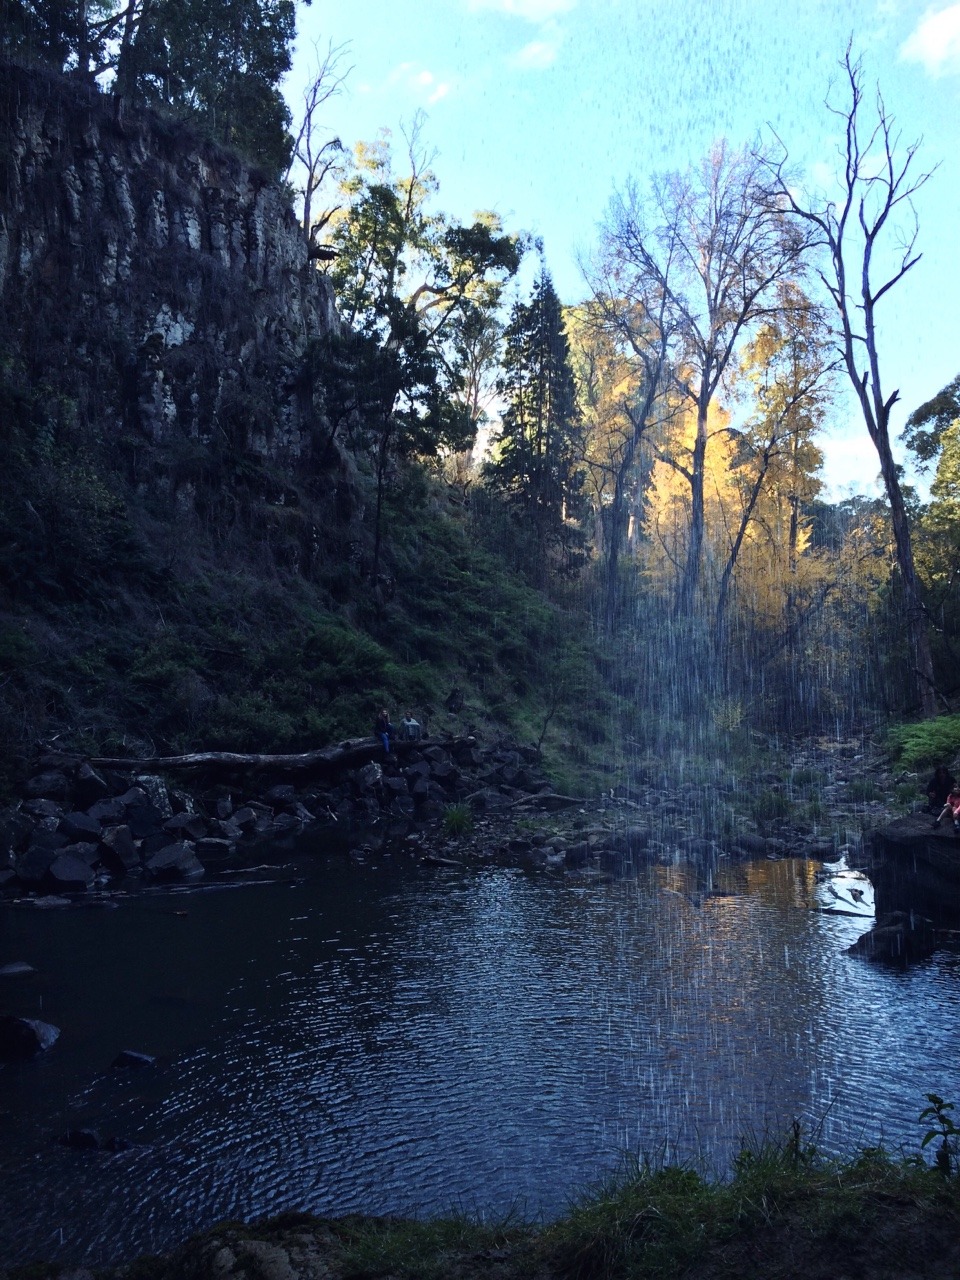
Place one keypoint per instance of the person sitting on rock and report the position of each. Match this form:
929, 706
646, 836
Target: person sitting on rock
952, 806
383, 728
410, 730
939, 787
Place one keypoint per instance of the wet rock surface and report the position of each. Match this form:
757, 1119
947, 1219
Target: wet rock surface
915, 866
25, 1037
898, 937
146, 828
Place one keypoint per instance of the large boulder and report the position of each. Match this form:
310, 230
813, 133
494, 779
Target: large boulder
578, 855
118, 853
215, 849
175, 862
79, 826
87, 851
282, 794
636, 839
42, 851
186, 826
112, 810
488, 800
88, 787
447, 774
369, 777
157, 793
70, 872
40, 809
899, 936
132, 796
15, 831
419, 789
419, 769
244, 819
24, 1037
144, 820
914, 867
52, 784
749, 845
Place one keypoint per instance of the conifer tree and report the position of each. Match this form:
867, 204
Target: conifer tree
537, 464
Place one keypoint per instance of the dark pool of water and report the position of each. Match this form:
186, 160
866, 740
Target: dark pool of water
390, 1039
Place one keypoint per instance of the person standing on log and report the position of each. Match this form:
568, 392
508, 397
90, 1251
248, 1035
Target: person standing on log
383, 728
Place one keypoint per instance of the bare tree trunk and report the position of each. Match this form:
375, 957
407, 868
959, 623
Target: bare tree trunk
690, 580
875, 186
918, 634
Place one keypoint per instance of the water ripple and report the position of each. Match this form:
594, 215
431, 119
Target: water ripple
409, 1042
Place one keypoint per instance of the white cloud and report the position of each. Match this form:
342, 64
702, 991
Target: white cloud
530, 10
936, 42
420, 82
538, 54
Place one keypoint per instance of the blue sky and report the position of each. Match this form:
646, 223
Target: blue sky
540, 109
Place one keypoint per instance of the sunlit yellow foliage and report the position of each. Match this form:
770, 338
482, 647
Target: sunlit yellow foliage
607, 383
666, 518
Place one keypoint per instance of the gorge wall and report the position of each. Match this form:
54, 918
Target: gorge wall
159, 285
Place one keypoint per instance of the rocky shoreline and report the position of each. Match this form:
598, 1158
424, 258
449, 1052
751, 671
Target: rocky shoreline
88, 829
81, 829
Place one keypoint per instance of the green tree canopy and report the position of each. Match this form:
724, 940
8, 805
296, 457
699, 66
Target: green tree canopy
217, 64
927, 426
221, 65
418, 283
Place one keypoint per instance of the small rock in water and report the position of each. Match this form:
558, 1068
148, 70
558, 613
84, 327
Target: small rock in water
24, 1037
81, 1139
132, 1058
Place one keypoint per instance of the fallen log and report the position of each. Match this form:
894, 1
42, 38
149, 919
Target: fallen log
551, 800
347, 754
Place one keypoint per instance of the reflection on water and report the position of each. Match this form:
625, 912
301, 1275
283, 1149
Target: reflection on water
385, 1039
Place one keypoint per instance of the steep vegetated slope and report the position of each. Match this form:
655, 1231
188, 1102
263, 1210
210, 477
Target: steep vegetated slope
188, 515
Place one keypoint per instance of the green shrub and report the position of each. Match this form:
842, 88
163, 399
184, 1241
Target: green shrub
458, 820
806, 778
926, 743
17, 650
814, 810
863, 789
250, 722
906, 794
769, 805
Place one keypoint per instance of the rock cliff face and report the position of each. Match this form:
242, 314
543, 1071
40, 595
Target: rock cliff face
158, 284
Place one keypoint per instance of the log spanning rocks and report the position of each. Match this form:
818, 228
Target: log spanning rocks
915, 867
84, 824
